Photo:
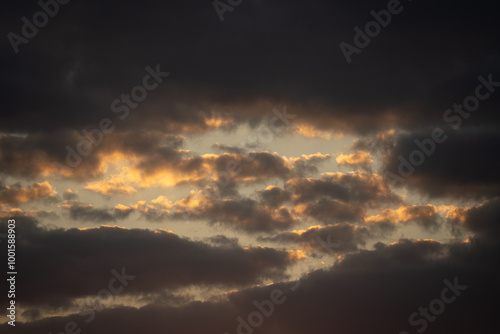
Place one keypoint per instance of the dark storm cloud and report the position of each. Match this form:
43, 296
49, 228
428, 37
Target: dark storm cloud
276, 51
369, 292
81, 260
465, 165
87, 65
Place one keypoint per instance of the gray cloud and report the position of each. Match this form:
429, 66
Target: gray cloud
17, 194
463, 166
295, 59
339, 238
81, 260
382, 287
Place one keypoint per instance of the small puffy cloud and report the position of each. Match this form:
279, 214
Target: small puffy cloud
69, 195
17, 194
360, 158
311, 131
109, 187
87, 212
274, 196
307, 164
152, 212
424, 215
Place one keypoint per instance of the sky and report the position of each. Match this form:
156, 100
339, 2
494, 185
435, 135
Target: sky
247, 166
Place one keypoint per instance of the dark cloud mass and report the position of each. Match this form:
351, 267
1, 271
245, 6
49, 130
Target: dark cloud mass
384, 286
87, 65
465, 165
80, 261
481, 219
337, 158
